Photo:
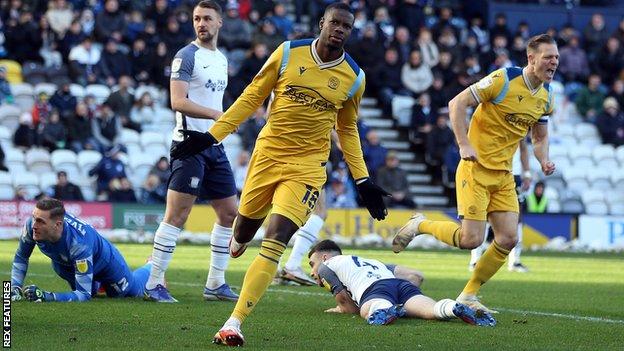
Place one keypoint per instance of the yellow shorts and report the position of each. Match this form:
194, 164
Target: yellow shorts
290, 190
481, 191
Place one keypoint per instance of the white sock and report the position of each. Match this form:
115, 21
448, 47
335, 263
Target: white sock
443, 309
164, 244
514, 255
232, 322
219, 240
378, 304
304, 239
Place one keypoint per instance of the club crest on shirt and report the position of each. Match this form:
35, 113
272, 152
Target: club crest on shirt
333, 83
484, 83
176, 64
82, 266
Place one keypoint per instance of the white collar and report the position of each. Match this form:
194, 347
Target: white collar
320, 62
527, 81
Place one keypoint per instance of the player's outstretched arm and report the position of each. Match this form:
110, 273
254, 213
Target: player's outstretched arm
539, 136
457, 114
20, 262
344, 304
84, 281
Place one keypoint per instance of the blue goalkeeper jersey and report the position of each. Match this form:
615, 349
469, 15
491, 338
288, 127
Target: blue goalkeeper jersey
81, 250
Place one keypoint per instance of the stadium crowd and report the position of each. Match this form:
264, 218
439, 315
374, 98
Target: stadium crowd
406, 47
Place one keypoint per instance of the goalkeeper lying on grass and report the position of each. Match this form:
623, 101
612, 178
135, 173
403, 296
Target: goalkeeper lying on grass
377, 292
81, 256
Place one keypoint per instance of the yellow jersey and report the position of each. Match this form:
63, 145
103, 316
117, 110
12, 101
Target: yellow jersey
310, 97
508, 107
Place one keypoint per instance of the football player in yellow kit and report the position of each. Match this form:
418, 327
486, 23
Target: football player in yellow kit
316, 87
509, 102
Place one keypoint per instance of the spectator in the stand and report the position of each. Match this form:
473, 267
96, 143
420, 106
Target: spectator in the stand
21, 194
499, 44
374, 153
149, 35
153, 191
282, 23
59, 16
610, 123
368, 51
393, 179
462, 82
159, 13
235, 33
501, 61
160, 69
415, 75
428, 48
3, 167
64, 101
617, 91
445, 69
25, 136
449, 42
121, 191
83, 60
113, 63
480, 33
451, 161
173, 37
161, 170
65, 190
402, 43
22, 38
573, 63
144, 110
135, 25
250, 67
110, 167
384, 24
74, 36
410, 14
53, 135
87, 22
121, 102
41, 109
251, 128
536, 202
337, 196
109, 21
619, 32
610, 60
6, 96
240, 171
79, 130
517, 52
106, 127
267, 34
423, 118
437, 93
438, 140
590, 98
49, 45
444, 22
341, 172
500, 27
523, 31
141, 61
389, 81
473, 68
595, 36
184, 20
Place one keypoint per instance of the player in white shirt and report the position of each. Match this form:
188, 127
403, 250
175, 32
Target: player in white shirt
522, 176
376, 292
198, 80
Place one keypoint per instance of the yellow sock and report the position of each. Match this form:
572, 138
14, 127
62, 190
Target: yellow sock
446, 231
258, 277
486, 267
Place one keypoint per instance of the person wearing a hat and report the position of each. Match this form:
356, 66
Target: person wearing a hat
610, 123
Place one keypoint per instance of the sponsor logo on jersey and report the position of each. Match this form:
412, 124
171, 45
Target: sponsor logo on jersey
520, 120
308, 97
217, 85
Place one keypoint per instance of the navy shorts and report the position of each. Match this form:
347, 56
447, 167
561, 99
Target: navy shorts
397, 291
207, 175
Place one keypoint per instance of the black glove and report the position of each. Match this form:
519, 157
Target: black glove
194, 143
372, 197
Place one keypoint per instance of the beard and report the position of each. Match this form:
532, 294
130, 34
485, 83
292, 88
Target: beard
207, 38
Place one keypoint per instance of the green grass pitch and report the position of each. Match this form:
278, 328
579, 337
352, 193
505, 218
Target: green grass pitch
566, 302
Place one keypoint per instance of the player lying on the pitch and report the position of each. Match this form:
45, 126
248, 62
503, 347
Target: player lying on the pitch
79, 254
372, 289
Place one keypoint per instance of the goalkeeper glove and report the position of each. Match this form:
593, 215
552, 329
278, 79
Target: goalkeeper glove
372, 196
194, 143
16, 293
35, 294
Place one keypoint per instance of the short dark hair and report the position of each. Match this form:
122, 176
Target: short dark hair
56, 208
209, 4
325, 245
534, 43
338, 6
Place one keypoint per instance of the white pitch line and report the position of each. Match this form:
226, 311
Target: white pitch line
309, 293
